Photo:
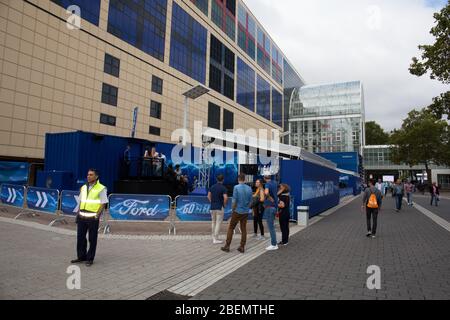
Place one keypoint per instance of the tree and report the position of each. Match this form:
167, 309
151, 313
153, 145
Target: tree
375, 135
422, 139
436, 59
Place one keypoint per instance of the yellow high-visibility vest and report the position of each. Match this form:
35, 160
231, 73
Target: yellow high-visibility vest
90, 201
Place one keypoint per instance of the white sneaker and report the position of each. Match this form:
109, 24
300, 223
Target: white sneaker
261, 238
217, 241
255, 235
272, 248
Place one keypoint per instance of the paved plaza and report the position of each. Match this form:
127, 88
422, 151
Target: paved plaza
327, 260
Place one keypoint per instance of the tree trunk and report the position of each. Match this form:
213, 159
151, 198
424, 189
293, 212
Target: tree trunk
429, 177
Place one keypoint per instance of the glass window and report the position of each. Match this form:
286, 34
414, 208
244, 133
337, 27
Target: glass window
263, 51
246, 32
140, 23
221, 70
109, 94
155, 109
90, 9
245, 85
277, 108
188, 45
202, 5
213, 116
154, 131
157, 85
108, 120
112, 65
228, 120
277, 71
223, 14
263, 98
291, 81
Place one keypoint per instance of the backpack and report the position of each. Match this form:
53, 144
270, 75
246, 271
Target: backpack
372, 203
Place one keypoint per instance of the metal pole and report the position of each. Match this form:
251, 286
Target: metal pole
185, 120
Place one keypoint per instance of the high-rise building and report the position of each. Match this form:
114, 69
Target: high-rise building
61, 73
328, 118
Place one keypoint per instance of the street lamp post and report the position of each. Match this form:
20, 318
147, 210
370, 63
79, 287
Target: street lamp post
194, 93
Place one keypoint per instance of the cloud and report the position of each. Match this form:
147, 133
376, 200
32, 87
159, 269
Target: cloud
372, 41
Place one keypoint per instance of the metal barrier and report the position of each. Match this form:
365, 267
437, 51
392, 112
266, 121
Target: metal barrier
12, 195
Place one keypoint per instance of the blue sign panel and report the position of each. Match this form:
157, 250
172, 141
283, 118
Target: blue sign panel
191, 208
12, 195
14, 172
43, 199
70, 202
139, 207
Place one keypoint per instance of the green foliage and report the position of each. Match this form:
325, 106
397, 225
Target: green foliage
436, 57
422, 139
375, 135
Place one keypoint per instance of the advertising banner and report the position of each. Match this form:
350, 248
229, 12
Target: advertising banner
139, 207
12, 195
70, 202
41, 199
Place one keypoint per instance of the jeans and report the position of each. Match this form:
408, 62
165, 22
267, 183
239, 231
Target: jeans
235, 219
372, 214
409, 197
217, 218
434, 198
398, 201
258, 221
85, 225
270, 216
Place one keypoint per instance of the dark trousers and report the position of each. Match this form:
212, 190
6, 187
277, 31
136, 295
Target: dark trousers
434, 198
398, 201
84, 226
372, 214
284, 226
235, 219
258, 221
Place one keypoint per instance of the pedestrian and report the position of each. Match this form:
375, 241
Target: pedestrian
270, 209
398, 193
284, 212
409, 189
372, 201
93, 199
434, 190
218, 197
258, 210
242, 199
380, 186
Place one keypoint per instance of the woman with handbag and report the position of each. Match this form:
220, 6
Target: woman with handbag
258, 210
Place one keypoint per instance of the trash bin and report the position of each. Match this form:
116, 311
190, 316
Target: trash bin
303, 216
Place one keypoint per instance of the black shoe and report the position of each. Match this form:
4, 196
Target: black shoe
89, 263
225, 249
77, 261
368, 234
241, 250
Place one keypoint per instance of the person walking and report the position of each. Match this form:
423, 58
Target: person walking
93, 200
242, 199
380, 186
372, 201
434, 191
258, 210
284, 212
218, 197
126, 162
409, 189
270, 209
398, 193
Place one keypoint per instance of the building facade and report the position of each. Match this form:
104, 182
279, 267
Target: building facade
128, 54
328, 118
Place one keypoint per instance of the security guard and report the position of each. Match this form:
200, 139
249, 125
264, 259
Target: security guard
93, 200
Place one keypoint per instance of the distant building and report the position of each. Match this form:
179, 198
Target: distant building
328, 118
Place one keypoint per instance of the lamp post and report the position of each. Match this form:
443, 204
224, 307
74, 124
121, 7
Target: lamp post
194, 93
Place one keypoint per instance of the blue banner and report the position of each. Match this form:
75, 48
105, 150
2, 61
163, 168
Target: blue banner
194, 208
70, 202
43, 199
139, 207
12, 195
14, 172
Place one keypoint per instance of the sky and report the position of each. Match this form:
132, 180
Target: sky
368, 40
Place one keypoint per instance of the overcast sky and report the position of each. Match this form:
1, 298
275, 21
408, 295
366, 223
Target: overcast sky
372, 41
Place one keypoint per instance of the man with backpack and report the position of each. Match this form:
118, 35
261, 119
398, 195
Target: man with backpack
372, 201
